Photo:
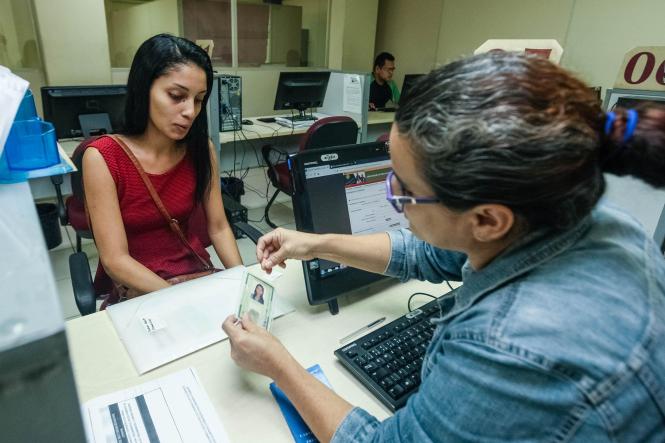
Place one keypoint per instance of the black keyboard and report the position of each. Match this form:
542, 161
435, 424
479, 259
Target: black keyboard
302, 118
388, 360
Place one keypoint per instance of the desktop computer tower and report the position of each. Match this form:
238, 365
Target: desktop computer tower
230, 102
235, 212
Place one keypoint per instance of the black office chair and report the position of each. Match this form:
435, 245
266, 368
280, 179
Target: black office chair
325, 132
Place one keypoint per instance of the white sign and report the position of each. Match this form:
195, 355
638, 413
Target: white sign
643, 68
548, 48
353, 98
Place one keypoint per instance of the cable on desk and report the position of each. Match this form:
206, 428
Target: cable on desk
408, 303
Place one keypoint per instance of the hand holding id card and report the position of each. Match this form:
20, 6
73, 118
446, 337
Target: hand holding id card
256, 301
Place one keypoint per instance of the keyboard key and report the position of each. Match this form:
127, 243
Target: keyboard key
380, 374
396, 391
386, 383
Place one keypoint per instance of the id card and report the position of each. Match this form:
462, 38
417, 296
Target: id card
256, 301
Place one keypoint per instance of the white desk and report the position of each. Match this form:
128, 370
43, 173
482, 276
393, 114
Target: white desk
243, 400
259, 130
43, 189
237, 146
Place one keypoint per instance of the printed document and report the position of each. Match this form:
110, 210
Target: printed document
174, 408
352, 96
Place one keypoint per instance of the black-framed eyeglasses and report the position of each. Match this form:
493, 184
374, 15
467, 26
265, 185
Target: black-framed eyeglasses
398, 201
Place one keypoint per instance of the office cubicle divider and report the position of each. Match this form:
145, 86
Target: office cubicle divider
343, 98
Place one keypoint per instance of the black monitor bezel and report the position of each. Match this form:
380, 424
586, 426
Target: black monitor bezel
282, 88
75, 91
412, 79
318, 293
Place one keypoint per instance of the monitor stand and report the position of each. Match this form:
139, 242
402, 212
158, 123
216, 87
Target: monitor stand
302, 116
333, 307
95, 124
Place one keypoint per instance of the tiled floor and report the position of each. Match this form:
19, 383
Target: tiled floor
254, 200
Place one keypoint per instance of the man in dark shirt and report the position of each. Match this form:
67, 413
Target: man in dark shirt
383, 89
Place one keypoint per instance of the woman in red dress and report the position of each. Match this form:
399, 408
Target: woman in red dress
166, 130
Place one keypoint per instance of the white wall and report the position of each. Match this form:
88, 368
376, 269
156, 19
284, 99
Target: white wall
602, 31
410, 34
466, 24
132, 24
74, 43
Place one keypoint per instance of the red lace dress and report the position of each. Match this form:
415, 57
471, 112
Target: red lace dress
150, 240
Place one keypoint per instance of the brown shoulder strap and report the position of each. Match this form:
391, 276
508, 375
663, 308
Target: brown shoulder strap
172, 222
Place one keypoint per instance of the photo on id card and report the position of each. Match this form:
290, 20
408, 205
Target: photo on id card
256, 301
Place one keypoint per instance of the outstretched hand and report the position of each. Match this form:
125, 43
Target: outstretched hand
275, 247
253, 348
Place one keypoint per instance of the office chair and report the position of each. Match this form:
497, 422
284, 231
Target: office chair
325, 132
86, 289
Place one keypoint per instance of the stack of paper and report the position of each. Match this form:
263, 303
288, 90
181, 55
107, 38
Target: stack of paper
164, 325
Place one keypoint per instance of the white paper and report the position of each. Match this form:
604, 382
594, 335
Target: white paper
353, 97
184, 318
174, 408
12, 90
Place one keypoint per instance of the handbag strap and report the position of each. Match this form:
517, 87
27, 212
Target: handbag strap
172, 222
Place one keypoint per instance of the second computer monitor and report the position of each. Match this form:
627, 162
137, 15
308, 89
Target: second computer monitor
81, 111
409, 81
341, 190
301, 90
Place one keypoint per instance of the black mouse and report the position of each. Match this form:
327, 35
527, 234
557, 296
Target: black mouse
247, 122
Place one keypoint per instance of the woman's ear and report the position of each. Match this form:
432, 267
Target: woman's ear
491, 222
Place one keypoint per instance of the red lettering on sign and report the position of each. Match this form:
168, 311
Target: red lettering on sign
660, 74
646, 72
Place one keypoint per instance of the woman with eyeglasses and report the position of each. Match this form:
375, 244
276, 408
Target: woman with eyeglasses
557, 331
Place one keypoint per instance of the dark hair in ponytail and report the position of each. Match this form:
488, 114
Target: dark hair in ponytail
642, 155
517, 130
154, 58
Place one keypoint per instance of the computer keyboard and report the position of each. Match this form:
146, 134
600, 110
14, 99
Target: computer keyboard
286, 121
388, 360
302, 118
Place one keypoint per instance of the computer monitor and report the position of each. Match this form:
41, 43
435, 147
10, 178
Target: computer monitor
82, 111
341, 190
301, 90
409, 81
630, 98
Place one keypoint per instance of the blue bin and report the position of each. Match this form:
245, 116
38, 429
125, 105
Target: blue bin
31, 144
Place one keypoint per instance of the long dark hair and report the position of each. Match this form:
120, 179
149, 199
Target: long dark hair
520, 131
154, 58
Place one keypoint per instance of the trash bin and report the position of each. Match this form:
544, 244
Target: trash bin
48, 217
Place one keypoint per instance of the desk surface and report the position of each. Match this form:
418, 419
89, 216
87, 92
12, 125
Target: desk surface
378, 117
243, 400
260, 130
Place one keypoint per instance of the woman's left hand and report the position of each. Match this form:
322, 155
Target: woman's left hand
254, 348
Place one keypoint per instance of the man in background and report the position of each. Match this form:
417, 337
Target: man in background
383, 89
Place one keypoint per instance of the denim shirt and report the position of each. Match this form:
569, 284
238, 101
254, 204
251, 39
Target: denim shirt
561, 338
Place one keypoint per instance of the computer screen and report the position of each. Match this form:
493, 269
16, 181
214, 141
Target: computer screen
341, 190
100, 108
409, 81
629, 98
301, 90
